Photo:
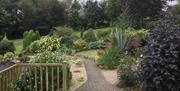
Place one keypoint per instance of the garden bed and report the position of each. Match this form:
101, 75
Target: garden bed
79, 76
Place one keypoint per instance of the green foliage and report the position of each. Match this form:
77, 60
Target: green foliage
29, 37
93, 45
1, 37
176, 8
94, 15
109, 58
90, 36
102, 33
6, 46
39, 14
137, 10
69, 41
49, 57
74, 19
113, 9
8, 56
141, 33
119, 38
23, 58
1, 58
46, 43
126, 75
62, 32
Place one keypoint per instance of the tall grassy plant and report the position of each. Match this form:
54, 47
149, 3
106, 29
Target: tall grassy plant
109, 58
119, 38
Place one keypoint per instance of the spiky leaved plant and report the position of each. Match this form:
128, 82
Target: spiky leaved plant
119, 38
160, 67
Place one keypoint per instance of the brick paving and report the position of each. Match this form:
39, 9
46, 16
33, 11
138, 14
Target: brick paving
95, 81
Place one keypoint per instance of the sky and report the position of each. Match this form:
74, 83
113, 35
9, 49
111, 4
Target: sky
172, 3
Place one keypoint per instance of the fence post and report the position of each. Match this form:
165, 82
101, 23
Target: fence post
64, 77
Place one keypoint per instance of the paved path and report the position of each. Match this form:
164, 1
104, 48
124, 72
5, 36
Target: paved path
95, 81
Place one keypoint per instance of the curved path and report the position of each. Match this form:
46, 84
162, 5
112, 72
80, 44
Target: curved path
95, 81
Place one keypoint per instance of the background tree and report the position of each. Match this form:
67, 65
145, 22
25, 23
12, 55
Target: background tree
113, 9
16, 16
176, 9
137, 10
94, 14
74, 19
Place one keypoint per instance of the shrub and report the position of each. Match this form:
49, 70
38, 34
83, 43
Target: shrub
93, 45
89, 36
23, 58
109, 58
135, 42
102, 33
6, 46
8, 56
160, 67
126, 75
119, 38
1, 37
45, 43
1, 58
29, 37
141, 33
80, 43
62, 32
69, 41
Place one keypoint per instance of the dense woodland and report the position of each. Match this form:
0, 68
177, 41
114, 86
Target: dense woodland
17, 16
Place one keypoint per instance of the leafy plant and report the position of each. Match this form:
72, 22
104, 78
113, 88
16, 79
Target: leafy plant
69, 41
89, 36
93, 45
109, 58
125, 73
8, 56
49, 57
46, 43
29, 37
119, 38
80, 43
102, 33
160, 69
1, 58
6, 46
142, 33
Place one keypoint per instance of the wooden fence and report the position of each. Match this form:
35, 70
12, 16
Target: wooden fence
38, 77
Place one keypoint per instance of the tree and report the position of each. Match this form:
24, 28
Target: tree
94, 14
113, 9
137, 10
16, 16
74, 19
176, 9
10, 17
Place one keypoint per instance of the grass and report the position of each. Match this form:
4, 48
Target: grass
78, 33
18, 43
89, 53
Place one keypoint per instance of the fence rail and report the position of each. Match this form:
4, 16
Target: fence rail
38, 77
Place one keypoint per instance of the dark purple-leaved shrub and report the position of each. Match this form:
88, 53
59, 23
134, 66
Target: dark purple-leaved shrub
160, 68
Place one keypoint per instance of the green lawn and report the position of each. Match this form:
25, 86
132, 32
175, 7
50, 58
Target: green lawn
89, 53
18, 43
